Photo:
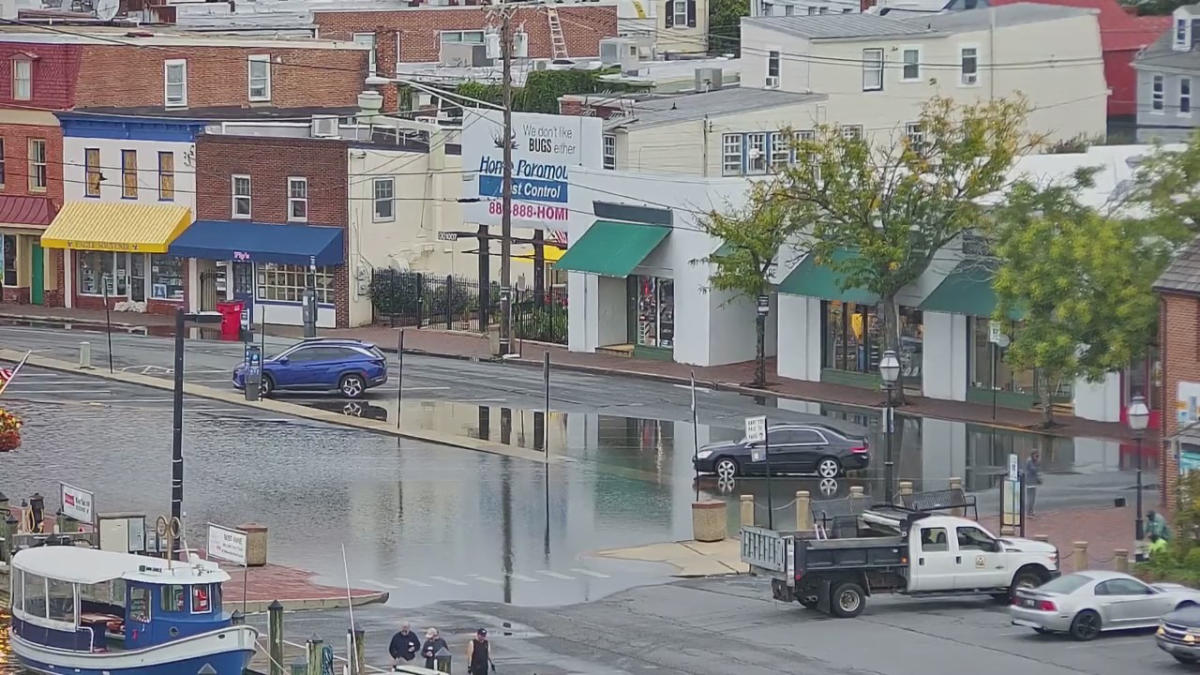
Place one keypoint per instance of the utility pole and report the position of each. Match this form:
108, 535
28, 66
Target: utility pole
506, 188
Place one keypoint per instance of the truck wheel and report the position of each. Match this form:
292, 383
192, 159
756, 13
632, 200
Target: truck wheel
1027, 577
847, 600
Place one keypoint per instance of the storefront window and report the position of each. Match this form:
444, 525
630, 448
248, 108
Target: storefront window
10, 260
854, 339
286, 283
1145, 379
95, 269
655, 312
122, 271
137, 277
1021, 382
166, 277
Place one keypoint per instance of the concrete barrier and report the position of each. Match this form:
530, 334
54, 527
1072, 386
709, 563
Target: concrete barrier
747, 511
708, 521
1081, 555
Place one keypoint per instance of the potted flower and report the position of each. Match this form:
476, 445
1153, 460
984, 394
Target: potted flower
10, 431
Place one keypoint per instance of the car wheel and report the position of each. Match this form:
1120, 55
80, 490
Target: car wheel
352, 386
1085, 626
265, 386
727, 468
848, 600
829, 467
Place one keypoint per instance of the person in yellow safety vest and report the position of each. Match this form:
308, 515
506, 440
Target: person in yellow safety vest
1157, 545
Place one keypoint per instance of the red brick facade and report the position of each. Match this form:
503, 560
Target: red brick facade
53, 70
14, 148
416, 33
1179, 326
270, 162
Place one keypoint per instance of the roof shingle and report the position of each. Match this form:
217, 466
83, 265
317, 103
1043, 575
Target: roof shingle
1183, 274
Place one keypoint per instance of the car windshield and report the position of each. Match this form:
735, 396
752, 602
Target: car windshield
1066, 584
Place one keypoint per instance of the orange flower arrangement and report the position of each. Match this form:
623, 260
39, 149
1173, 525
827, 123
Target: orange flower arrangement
10, 431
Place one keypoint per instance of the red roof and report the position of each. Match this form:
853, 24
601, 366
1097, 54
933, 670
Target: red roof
1119, 30
25, 210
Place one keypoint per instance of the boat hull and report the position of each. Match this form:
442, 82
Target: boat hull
226, 652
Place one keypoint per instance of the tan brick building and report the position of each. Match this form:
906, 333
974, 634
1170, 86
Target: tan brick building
1179, 328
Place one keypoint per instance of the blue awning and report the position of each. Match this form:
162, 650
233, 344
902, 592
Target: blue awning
243, 240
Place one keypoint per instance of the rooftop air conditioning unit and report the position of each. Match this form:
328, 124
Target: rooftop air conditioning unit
621, 52
708, 79
324, 126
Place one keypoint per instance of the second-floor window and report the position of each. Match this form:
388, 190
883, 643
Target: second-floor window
298, 200
872, 69
756, 153
1156, 93
37, 164
91, 169
781, 151
166, 176
1181, 32
1185, 96
259, 74
385, 193
915, 135
852, 131
910, 69
175, 83
681, 13
968, 66
241, 196
772, 69
610, 151
129, 177
22, 79
3, 167
731, 154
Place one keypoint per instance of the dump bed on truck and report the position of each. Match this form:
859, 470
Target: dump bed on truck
858, 553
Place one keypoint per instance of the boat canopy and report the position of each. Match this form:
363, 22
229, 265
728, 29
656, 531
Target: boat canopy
93, 566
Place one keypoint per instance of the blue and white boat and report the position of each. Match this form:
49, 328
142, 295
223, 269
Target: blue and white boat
89, 612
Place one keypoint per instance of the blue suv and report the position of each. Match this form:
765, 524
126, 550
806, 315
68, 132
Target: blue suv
348, 366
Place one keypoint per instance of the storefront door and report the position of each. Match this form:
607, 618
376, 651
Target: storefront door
243, 285
37, 284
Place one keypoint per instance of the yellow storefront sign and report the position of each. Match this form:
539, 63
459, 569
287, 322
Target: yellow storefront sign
114, 226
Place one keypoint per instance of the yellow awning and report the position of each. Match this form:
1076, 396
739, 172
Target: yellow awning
550, 253
117, 226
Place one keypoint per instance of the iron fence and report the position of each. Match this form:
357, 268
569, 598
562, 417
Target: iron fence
414, 299
541, 318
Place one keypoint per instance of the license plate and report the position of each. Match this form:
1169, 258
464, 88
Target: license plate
1027, 602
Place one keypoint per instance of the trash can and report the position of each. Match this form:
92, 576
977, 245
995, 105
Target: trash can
231, 319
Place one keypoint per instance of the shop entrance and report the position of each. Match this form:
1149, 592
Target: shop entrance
37, 285
243, 285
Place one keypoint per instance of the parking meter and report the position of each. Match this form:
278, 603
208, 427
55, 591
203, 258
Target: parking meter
252, 378
310, 312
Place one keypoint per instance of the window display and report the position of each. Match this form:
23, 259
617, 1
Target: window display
655, 312
287, 283
137, 277
95, 269
166, 277
1021, 382
854, 339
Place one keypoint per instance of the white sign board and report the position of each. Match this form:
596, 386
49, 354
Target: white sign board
226, 544
756, 429
995, 331
544, 148
1014, 466
77, 503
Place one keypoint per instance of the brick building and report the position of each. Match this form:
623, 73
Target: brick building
131, 74
1179, 331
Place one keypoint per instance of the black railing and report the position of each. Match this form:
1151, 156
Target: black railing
544, 321
404, 299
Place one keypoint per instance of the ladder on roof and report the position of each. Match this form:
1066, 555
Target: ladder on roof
558, 43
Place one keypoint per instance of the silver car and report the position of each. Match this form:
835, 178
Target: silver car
1085, 603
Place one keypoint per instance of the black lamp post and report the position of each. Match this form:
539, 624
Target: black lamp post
1139, 416
181, 320
889, 370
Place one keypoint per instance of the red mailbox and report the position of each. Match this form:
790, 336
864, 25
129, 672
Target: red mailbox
231, 319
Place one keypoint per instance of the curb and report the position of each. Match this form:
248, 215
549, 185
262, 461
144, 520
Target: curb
309, 604
121, 326
282, 407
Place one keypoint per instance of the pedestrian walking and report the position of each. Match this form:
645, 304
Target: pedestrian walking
479, 654
404, 645
1156, 524
434, 644
1033, 478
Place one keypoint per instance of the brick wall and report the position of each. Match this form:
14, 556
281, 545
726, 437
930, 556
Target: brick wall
217, 76
570, 105
1179, 326
53, 73
420, 28
16, 139
269, 162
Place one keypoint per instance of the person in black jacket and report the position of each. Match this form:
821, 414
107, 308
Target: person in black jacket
404, 645
433, 644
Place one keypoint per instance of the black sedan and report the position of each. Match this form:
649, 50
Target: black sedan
1179, 634
794, 448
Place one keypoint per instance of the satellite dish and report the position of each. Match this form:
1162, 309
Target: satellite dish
107, 9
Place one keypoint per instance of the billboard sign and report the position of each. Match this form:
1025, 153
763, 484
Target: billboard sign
545, 148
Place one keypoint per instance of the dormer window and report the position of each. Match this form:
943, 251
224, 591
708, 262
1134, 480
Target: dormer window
22, 78
1181, 34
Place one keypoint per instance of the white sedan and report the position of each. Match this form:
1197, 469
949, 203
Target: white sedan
1085, 603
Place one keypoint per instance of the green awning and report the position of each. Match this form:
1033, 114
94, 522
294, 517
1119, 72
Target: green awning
966, 290
612, 249
818, 281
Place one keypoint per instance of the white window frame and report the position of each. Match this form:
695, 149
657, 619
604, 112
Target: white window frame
681, 18
808, 135
1158, 88
266, 80
235, 197
1185, 98
775, 62
37, 167
915, 134
286, 283
376, 199
781, 151
356, 38
904, 51
731, 154
22, 62
1181, 32
757, 140
610, 152
293, 199
851, 131
183, 98
461, 34
962, 70
872, 66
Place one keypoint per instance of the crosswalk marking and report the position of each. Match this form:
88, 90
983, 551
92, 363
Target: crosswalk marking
556, 575
380, 584
589, 573
445, 580
522, 577
413, 582
488, 580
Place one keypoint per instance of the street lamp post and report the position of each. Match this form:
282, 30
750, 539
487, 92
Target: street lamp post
181, 320
1139, 416
889, 369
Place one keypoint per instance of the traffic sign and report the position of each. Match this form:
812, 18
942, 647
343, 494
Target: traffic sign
756, 429
995, 331
1013, 466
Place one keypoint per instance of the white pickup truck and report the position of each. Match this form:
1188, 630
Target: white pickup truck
912, 553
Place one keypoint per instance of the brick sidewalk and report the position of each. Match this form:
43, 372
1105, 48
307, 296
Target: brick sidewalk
1104, 530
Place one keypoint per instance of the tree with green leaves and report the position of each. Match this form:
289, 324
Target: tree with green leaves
896, 204
725, 25
752, 238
